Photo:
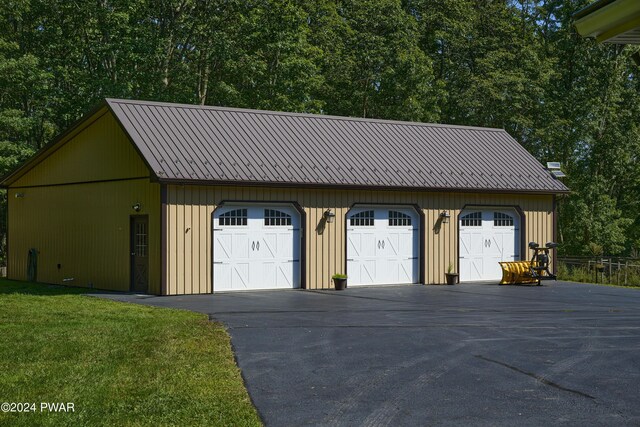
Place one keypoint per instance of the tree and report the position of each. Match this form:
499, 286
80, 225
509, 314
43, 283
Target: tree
512, 64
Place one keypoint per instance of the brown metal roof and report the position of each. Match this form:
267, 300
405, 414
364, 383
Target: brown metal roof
188, 143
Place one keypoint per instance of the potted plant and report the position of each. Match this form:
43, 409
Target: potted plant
339, 281
452, 277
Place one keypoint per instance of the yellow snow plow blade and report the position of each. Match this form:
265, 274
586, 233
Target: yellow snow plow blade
516, 272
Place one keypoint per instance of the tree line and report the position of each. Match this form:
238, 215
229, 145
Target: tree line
512, 64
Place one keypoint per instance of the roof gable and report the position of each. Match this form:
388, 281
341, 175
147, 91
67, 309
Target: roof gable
47, 153
187, 143
99, 150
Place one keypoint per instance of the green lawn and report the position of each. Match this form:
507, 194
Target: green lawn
120, 364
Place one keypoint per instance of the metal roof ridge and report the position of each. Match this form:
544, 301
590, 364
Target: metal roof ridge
294, 114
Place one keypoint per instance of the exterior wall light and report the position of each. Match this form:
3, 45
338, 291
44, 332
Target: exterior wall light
19, 195
444, 216
329, 216
136, 207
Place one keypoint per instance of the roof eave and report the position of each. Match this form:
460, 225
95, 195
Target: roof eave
606, 19
183, 181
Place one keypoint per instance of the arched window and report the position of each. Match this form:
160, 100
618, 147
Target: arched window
364, 218
235, 217
502, 220
398, 219
473, 219
273, 217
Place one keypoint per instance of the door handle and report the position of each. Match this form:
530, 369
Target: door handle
258, 246
253, 245
383, 244
378, 244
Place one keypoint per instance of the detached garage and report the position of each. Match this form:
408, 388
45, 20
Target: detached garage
176, 199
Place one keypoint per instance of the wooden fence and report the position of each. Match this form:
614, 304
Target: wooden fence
615, 270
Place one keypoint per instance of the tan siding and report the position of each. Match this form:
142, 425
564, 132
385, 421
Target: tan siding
324, 252
100, 151
84, 226
85, 229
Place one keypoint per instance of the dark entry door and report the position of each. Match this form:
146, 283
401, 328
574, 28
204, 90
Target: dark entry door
139, 253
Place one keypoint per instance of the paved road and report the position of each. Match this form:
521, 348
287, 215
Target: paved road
566, 354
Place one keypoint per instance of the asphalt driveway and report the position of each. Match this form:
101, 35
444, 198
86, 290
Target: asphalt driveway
563, 353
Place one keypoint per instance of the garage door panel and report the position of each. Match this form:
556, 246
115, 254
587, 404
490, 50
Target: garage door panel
285, 275
256, 247
393, 246
367, 271
389, 271
477, 243
407, 271
471, 268
368, 245
383, 246
465, 268
223, 246
511, 245
224, 272
492, 242
477, 268
284, 246
240, 246
239, 277
267, 276
470, 242
269, 247
486, 238
355, 244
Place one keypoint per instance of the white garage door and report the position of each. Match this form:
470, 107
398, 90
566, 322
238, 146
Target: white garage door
382, 245
486, 238
256, 247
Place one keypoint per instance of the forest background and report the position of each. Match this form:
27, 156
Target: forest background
517, 65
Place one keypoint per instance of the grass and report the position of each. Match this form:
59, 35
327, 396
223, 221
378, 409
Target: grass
120, 364
582, 274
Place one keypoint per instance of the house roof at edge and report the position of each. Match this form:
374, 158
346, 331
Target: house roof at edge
217, 145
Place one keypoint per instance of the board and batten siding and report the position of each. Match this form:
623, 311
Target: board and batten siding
189, 209
74, 209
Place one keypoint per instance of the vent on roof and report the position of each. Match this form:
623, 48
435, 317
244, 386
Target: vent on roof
554, 168
553, 165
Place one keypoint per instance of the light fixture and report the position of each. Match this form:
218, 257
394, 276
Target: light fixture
444, 216
136, 207
19, 195
329, 216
